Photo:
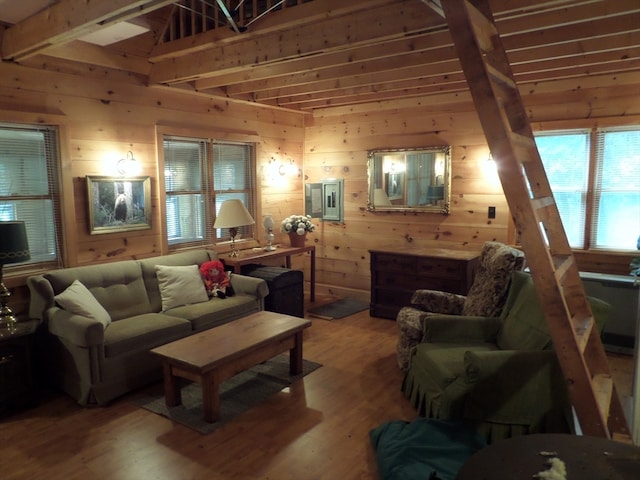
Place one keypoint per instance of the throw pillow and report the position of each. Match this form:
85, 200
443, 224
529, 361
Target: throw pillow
181, 285
78, 300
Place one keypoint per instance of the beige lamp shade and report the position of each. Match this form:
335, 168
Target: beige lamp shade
380, 197
233, 214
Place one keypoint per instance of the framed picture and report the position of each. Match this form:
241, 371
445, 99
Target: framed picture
119, 204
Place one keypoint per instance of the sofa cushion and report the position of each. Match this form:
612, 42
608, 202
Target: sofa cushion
117, 286
216, 311
143, 332
180, 285
148, 266
78, 300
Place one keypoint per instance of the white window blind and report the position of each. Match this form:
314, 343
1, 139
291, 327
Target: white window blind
565, 157
185, 190
29, 187
200, 174
232, 178
616, 219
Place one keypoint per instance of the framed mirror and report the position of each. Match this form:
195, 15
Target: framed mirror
410, 180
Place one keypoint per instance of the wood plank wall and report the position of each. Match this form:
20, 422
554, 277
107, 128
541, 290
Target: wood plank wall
104, 114
336, 144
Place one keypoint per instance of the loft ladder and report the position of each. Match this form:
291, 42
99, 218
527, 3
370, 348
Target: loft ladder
561, 293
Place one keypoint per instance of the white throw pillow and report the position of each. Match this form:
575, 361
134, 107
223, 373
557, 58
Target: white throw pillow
78, 300
180, 285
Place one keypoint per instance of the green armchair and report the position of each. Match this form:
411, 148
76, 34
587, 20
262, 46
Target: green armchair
485, 298
499, 374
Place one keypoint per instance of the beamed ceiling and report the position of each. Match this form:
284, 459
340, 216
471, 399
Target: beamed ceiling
312, 54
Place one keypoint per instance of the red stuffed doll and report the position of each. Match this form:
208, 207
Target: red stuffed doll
215, 279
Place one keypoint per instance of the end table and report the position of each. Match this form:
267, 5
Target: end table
17, 385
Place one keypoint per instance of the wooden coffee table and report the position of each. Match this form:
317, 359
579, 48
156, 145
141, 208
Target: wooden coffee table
214, 355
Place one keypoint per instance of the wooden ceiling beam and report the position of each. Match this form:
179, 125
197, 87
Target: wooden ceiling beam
609, 50
68, 20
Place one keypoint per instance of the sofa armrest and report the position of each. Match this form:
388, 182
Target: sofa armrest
438, 302
40, 296
249, 285
76, 329
460, 329
481, 366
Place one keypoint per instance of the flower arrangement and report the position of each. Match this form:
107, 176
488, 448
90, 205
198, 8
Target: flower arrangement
299, 224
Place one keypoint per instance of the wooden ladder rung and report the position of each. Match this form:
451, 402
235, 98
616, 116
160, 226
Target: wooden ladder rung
562, 265
501, 78
602, 385
582, 326
484, 28
542, 202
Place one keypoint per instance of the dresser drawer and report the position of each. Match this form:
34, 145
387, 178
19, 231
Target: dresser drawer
395, 263
440, 268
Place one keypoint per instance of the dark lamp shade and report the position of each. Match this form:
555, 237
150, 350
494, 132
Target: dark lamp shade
14, 247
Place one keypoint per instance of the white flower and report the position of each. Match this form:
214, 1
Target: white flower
299, 224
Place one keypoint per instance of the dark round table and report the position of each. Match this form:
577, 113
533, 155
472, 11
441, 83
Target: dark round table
585, 458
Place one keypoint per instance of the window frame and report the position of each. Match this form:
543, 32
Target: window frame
593, 190
210, 237
53, 256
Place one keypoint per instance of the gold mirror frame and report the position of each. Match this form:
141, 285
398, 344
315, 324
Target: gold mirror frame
410, 180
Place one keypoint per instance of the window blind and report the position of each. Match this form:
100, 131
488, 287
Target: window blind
565, 157
616, 219
186, 190
29, 188
233, 178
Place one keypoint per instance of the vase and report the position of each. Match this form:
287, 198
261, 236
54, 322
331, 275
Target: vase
297, 240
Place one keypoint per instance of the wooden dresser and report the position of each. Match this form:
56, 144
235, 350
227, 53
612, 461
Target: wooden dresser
396, 275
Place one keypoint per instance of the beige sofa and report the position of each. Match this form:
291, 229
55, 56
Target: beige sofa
97, 351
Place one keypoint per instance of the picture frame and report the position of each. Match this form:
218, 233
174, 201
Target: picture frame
118, 204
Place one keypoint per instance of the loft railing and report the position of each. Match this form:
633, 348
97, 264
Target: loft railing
192, 17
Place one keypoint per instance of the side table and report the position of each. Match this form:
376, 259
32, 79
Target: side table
17, 385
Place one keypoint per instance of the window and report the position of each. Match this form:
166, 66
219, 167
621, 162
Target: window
200, 174
597, 191
29, 188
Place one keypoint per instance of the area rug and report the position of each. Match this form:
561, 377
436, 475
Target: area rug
237, 395
338, 309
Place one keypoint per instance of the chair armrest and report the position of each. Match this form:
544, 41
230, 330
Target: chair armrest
459, 329
481, 366
76, 329
438, 302
249, 285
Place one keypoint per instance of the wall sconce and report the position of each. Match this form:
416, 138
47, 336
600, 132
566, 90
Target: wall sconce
288, 169
127, 165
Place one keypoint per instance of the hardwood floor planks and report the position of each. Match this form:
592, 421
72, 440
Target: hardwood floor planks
316, 429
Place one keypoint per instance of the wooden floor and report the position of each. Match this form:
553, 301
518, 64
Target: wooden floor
317, 429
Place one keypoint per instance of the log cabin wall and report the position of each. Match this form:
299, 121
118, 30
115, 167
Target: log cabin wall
336, 144
103, 114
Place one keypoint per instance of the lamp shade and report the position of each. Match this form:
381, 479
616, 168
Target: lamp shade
14, 247
233, 214
380, 197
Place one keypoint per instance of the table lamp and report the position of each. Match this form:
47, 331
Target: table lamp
232, 215
14, 248
269, 225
